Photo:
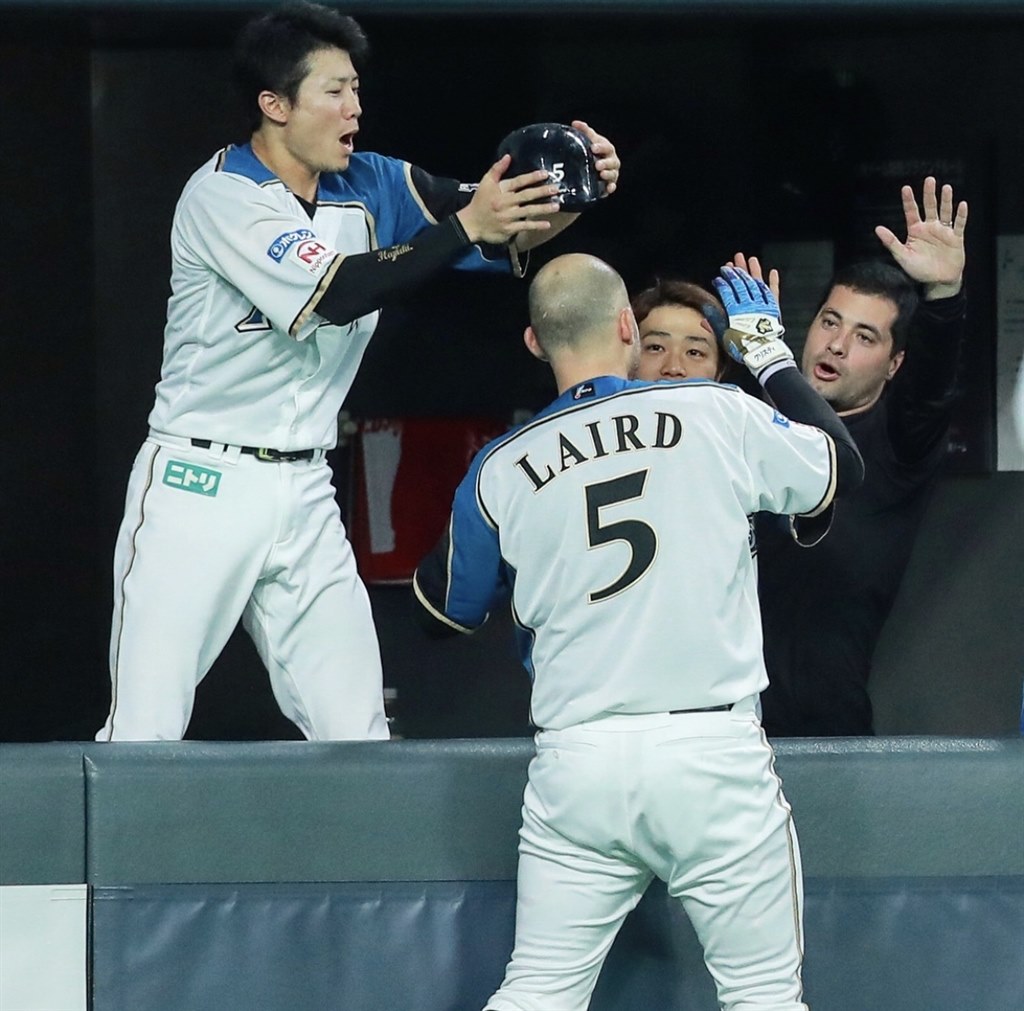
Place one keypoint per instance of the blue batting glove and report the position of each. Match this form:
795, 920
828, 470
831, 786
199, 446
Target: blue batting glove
753, 332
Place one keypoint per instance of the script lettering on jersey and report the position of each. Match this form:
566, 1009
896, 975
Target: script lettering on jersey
621, 433
392, 253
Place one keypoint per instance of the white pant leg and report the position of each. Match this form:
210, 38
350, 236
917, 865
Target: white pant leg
576, 882
184, 565
735, 861
310, 617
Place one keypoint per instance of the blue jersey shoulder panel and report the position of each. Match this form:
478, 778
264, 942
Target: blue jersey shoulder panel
376, 182
381, 185
239, 160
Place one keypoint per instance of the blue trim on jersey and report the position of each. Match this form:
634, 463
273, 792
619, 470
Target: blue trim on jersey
375, 182
240, 160
603, 387
477, 572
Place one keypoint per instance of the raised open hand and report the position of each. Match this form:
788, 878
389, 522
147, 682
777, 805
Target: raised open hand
933, 252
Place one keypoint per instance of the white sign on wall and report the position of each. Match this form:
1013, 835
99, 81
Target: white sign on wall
1010, 352
43, 947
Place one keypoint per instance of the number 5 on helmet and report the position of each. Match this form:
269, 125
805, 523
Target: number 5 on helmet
561, 151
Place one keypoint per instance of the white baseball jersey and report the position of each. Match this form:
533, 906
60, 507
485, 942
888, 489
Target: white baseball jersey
212, 534
247, 360
614, 486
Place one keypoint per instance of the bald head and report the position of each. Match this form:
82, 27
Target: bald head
575, 301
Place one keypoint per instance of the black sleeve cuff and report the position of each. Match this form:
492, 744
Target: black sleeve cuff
944, 309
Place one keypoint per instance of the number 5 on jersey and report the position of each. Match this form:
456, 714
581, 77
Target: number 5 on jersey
641, 538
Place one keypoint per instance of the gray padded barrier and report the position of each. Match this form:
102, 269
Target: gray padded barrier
296, 811
365, 876
356, 946
913, 944
42, 814
449, 810
911, 806
358, 877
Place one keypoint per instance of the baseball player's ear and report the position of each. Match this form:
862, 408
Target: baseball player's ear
273, 106
533, 345
629, 332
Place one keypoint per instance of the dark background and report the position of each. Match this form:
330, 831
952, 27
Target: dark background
738, 125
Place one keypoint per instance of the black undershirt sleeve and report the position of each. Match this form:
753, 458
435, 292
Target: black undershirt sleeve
366, 281
794, 397
439, 195
924, 392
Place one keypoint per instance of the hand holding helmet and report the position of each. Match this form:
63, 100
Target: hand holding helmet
542, 169
565, 154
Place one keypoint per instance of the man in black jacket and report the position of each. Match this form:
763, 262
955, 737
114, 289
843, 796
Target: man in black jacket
884, 350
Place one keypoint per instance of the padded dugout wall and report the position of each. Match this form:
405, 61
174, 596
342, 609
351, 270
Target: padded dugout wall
365, 876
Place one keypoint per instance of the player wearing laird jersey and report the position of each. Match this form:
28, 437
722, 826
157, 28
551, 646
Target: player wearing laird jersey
284, 249
616, 518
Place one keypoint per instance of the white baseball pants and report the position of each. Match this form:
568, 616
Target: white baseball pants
210, 536
692, 798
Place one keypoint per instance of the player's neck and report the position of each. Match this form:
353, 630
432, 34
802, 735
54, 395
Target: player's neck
296, 175
571, 373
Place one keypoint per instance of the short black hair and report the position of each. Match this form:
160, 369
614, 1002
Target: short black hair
677, 292
272, 51
672, 291
879, 277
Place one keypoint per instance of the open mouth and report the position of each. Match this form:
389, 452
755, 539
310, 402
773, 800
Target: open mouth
347, 141
825, 372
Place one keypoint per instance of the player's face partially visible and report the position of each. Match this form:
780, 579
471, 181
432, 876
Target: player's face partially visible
675, 345
323, 121
848, 355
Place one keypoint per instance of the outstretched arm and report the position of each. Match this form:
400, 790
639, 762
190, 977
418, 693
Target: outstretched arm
751, 333
519, 211
499, 211
925, 390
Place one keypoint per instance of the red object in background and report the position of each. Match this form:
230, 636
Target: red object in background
405, 472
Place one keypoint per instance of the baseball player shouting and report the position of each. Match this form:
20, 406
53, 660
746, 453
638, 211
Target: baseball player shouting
617, 516
284, 250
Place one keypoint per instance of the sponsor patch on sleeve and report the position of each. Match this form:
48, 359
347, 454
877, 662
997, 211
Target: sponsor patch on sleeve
312, 255
780, 419
284, 242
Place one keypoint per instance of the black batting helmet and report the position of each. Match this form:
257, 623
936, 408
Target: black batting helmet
564, 153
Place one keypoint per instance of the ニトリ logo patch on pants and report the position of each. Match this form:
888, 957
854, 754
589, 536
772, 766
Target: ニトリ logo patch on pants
189, 477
